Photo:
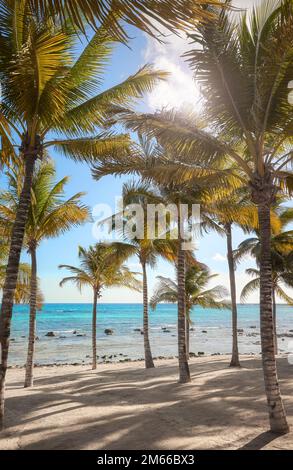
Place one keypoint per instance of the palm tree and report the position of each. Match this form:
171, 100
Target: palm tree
235, 210
22, 294
160, 167
45, 92
281, 249
142, 244
197, 278
22, 291
282, 276
49, 216
244, 70
101, 267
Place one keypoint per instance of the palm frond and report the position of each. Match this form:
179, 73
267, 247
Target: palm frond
147, 15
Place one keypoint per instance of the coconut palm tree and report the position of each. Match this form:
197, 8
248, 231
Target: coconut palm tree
47, 92
101, 267
244, 69
282, 276
281, 249
50, 215
22, 291
197, 293
238, 210
136, 232
22, 294
162, 168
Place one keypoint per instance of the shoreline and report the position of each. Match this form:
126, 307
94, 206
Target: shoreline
64, 333
140, 360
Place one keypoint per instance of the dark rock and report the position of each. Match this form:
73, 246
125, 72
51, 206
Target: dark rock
74, 332
80, 335
166, 331
204, 331
108, 331
253, 326
200, 353
142, 333
50, 334
285, 335
138, 330
192, 354
192, 329
240, 330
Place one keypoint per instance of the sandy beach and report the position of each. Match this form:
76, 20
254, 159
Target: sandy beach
124, 406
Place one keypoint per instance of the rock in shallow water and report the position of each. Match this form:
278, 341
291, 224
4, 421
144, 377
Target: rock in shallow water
50, 334
108, 331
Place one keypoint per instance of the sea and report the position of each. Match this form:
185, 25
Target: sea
70, 329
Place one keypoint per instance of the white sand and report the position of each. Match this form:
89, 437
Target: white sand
123, 406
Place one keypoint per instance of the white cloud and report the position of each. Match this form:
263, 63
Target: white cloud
219, 257
180, 91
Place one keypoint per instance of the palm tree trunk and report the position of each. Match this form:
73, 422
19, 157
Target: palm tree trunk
94, 330
187, 336
277, 415
235, 353
184, 374
32, 323
12, 273
148, 358
275, 321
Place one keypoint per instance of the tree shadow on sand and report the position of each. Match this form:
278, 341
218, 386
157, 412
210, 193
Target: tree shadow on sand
133, 408
259, 442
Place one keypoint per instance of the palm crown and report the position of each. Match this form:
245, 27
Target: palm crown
243, 69
50, 213
46, 89
101, 266
281, 243
197, 278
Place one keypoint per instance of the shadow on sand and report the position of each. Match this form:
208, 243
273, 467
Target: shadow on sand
133, 408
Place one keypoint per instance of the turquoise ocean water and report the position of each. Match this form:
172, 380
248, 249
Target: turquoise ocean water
212, 332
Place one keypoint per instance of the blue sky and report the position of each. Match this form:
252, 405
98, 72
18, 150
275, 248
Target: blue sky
180, 89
